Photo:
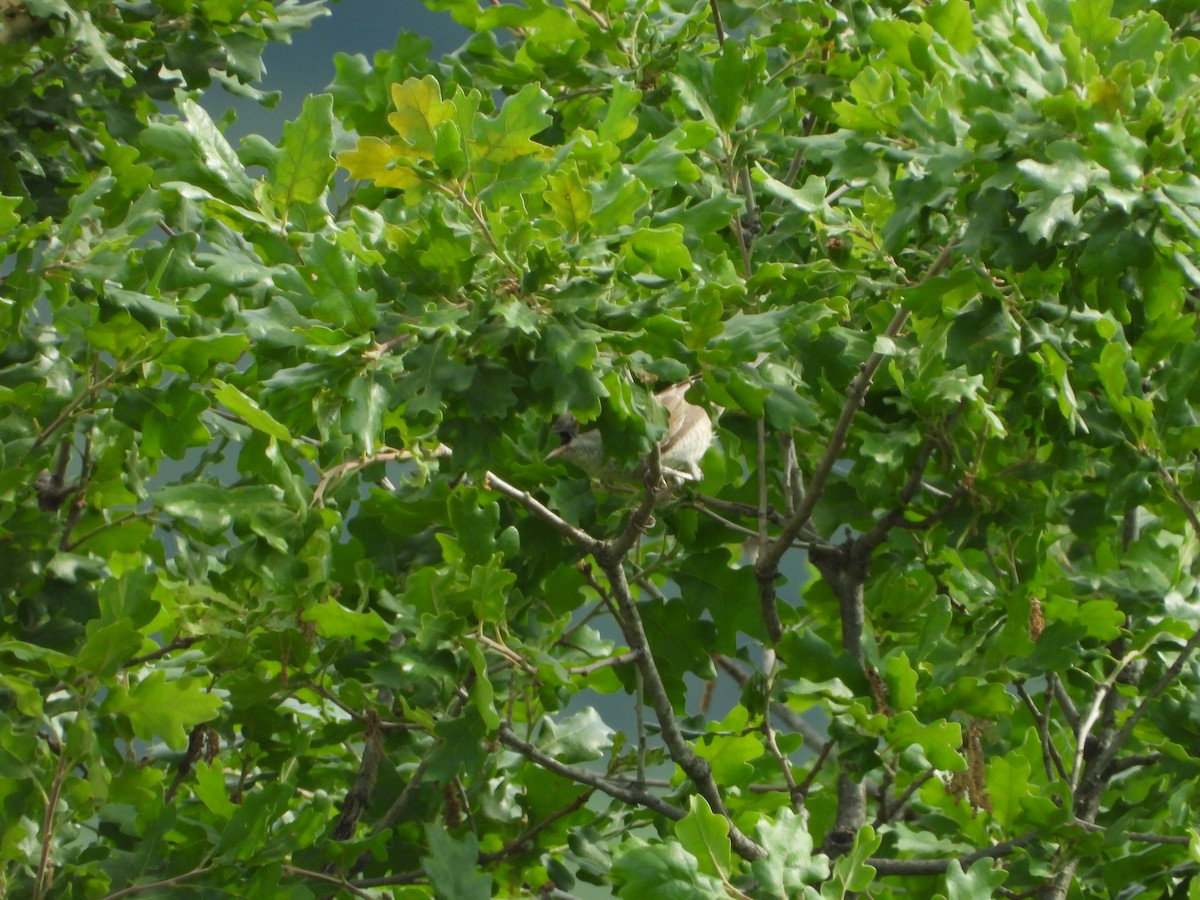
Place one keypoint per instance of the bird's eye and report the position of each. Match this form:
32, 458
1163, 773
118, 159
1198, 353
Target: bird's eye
564, 437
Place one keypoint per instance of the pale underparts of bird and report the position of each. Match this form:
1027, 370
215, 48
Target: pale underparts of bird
689, 435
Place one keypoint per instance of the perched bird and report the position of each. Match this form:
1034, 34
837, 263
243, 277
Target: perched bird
689, 435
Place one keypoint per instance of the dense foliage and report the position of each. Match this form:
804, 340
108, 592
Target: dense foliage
292, 604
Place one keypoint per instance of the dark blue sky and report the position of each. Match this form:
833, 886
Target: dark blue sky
306, 65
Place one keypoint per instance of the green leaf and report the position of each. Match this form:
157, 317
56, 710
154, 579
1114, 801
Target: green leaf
453, 866
705, 835
1093, 24
569, 199
109, 647
158, 708
708, 584
583, 737
1008, 783
8, 215
482, 692
197, 355
509, 136
851, 872
245, 407
387, 163
983, 879
620, 123
790, 866
658, 250
952, 20
730, 85
210, 789
730, 755
335, 622
475, 524
940, 740
665, 871
306, 161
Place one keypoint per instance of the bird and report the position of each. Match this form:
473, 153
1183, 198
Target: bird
689, 435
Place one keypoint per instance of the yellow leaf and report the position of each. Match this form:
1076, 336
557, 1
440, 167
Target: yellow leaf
419, 110
386, 163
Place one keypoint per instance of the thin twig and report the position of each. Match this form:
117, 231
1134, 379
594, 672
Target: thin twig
156, 885
69, 409
887, 813
696, 768
533, 831
1050, 754
1180, 840
1065, 703
589, 668
577, 536
718, 25
43, 871
1180, 499
805, 786
630, 794
178, 644
326, 878
939, 866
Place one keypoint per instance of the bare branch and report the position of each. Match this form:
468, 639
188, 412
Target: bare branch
916, 474
1180, 500
615, 549
73, 404
326, 878
1132, 762
358, 798
1065, 703
784, 766
718, 25
341, 470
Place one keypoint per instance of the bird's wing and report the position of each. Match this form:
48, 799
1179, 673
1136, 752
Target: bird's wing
684, 416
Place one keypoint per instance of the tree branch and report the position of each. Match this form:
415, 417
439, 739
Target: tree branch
618, 660
697, 769
767, 566
178, 644
156, 885
515, 845
939, 866
625, 793
610, 556
577, 536
1108, 755
916, 474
